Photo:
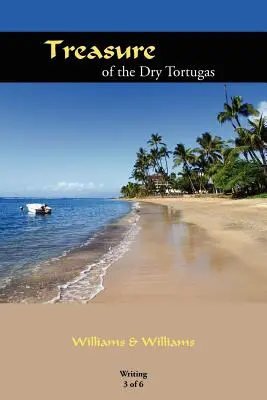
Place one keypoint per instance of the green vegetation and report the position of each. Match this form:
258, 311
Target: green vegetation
259, 196
237, 166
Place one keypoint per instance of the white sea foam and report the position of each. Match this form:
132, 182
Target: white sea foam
90, 281
4, 282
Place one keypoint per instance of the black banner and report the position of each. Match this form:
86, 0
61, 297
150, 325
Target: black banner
133, 56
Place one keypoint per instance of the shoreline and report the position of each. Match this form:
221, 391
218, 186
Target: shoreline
52, 279
225, 238
183, 246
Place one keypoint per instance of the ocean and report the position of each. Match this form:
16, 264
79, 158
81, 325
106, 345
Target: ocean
43, 255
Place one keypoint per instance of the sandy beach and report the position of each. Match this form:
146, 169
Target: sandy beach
210, 250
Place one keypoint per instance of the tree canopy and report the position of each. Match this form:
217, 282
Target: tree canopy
237, 166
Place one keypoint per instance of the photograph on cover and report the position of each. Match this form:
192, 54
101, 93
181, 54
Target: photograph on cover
133, 193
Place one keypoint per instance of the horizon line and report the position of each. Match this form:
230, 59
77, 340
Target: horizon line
52, 197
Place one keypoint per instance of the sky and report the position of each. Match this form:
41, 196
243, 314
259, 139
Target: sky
81, 139
120, 15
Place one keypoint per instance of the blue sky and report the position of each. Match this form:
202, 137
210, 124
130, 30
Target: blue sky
81, 139
205, 15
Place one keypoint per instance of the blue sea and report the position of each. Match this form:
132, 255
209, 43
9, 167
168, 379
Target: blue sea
27, 240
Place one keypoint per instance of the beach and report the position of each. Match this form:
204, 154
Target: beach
193, 249
62, 256
174, 249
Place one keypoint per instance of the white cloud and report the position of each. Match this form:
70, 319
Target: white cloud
78, 187
262, 107
75, 186
64, 186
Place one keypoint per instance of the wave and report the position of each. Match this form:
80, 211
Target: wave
21, 271
90, 281
4, 282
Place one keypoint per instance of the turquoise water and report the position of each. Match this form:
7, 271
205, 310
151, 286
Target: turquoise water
26, 240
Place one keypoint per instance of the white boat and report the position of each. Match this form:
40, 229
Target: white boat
37, 208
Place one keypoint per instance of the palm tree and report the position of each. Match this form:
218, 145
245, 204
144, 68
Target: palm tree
233, 111
130, 190
259, 131
124, 190
141, 167
210, 147
210, 153
255, 139
245, 143
155, 158
143, 160
158, 152
165, 153
200, 166
141, 152
155, 141
173, 181
185, 157
139, 175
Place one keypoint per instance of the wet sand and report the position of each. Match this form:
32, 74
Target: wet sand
203, 250
41, 284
